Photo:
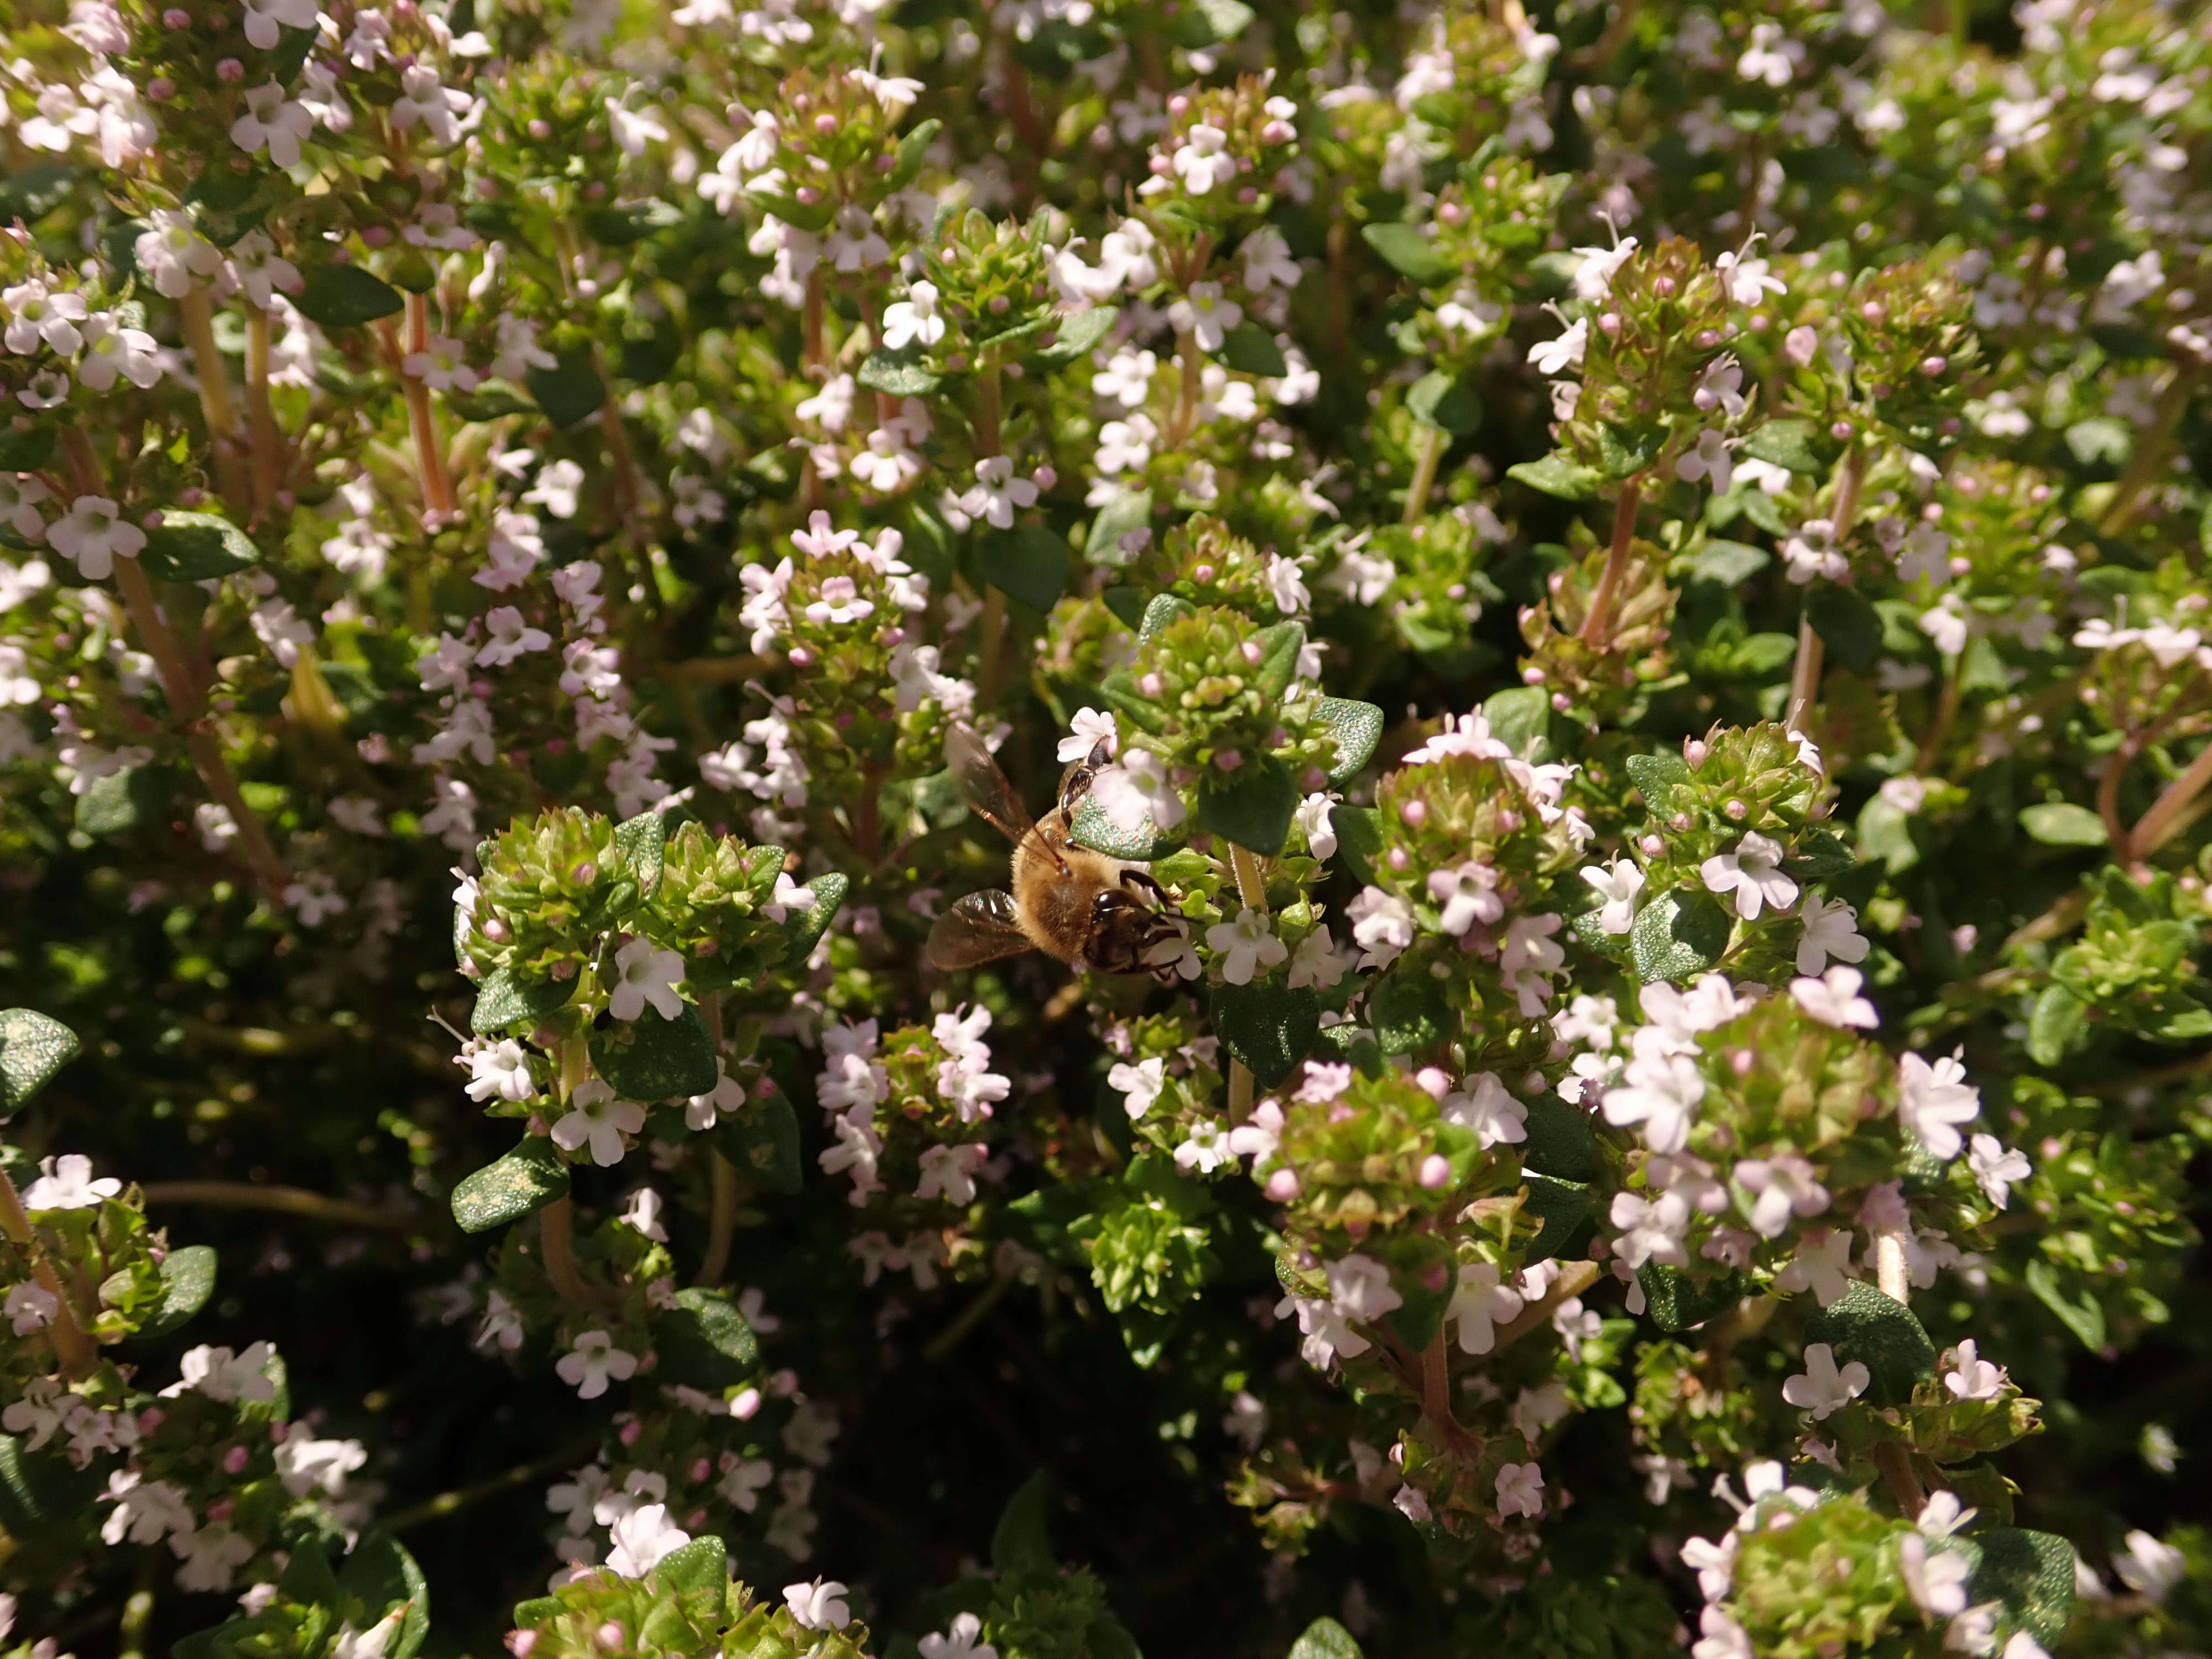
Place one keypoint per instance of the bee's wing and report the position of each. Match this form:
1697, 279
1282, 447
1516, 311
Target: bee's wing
977, 929
985, 787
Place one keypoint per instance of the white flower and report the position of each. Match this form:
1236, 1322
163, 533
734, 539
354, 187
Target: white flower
1136, 788
643, 1535
509, 637
66, 1183
1936, 1577
1973, 1377
1521, 1490
1771, 57
93, 537
145, 1511
1287, 586
1820, 1387
1466, 895
1811, 551
1203, 161
1932, 1101
502, 1071
306, 1464
588, 1366
265, 20
818, 1605
442, 365
948, 1172
645, 974
1722, 1638
1617, 884
1709, 460
961, 1640
597, 1119
556, 488
1205, 1148
1312, 819
1359, 1288
997, 494
1316, 962
1267, 261
1995, 1167
1594, 275
1821, 1265
914, 320
111, 349
211, 1556
1650, 1230
37, 316
1552, 356
1747, 279
1246, 945
2150, 1568
642, 1214
1486, 1107
1204, 314
1753, 873
1479, 1306
1781, 1187
1662, 1092
225, 1376
29, 1308
1831, 930
1834, 999
270, 123
1127, 380
1140, 1084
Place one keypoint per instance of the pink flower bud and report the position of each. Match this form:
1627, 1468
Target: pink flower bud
1653, 847
1842, 431
1532, 675
1415, 813
1436, 1174
1561, 701
801, 656
1609, 324
376, 235
1179, 104
1251, 652
176, 17
1433, 1081
1737, 810
1933, 365
229, 69
1397, 860
1228, 759
630, 1432
160, 89
1160, 166
611, 1636
520, 1641
235, 1459
700, 1468
1152, 686
1695, 753
150, 1419
1663, 287
1201, 573
808, 196
540, 128
748, 1402
1283, 1186
1045, 477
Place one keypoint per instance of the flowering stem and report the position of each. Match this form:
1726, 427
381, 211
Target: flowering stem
199, 317
285, 1200
1805, 677
422, 419
968, 1318
721, 1173
1597, 626
2154, 454
1896, 1466
71, 1346
178, 684
1889, 1269
557, 1237
1192, 365
2108, 795
1574, 1278
987, 412
1946, 714
2158, 825
268, 447
1252, 894
461, 1498
1425, 458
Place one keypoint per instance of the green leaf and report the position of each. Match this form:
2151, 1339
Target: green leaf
1208, 23
1562, 1207
1420, 1315
650, 1058
1624, 451
704, 1341
1520, 718
1359, 839
569, 391
905, 372
1676, 1302
1729, 563
646, 358
1851, 627
1654, 777
1357, 727
1128, 604
40, 1491
1092, 828
2084, 1317
1279, 645
1445, 402
383, 1574
2061, 823
1253, 808
125, 801
1560, 1142
1269, 1027
1027, 563
1129, 511
913, 151
38, 190
506, 998
1162, 612
195, 547
1886, 833
1325, 1638
1409, 1010
1107, 1637
643, 843
346, 296
1792, 445
26, 451
1820, 853
622, 223
2057, 1025
188, 1275
1880, 1333
508, 1188
32, 1048
2030, 1575
1556, 475
1409, 253
1250, 350
1678, 934
702, 1567
1078, 336
803, 930
1020, 1542
762, 1140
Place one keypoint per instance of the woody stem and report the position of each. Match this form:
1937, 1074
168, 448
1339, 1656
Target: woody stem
71, 1347
1805, 677
1252, 894
1597, 627
196, 313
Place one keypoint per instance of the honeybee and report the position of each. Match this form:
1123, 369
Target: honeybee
1084, 908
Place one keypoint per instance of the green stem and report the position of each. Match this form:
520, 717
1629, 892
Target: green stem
1432, 451
967, 1319
2158, 825
462, 1497
2154, 454
1597, 627
71, 1346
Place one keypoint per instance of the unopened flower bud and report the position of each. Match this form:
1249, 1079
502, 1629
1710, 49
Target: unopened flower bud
611, 1637
235, 1459
1609, 324
1737, 810
1652, 846
1201, 573
1228, 759
520, 1641
1663, 287
1561, 701
1152, 684
1695, 753
1435, 1173
1398, 860
229, 69
1935, 365
1415, 813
